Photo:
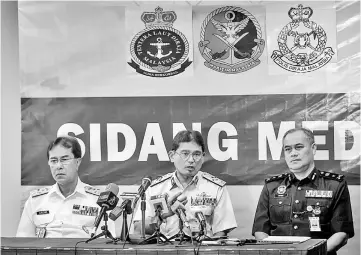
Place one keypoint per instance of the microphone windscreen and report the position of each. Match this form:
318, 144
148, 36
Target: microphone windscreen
146, 181
181, 198
112, 188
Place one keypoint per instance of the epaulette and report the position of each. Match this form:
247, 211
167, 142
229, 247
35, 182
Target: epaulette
277, 177
214, 179
39, 192
161, 179
328, 175
92, 190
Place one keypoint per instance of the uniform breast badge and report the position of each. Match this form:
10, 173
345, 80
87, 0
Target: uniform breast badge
231, 40
40, 232
302, 43
281, 191
159, 50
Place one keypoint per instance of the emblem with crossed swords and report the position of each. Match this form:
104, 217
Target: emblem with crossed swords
230, 29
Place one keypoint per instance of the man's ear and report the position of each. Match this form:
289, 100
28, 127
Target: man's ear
78, 161
171, 155
314, 148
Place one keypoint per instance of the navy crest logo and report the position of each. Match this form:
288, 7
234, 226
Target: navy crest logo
159, 50
231, 40
302, 43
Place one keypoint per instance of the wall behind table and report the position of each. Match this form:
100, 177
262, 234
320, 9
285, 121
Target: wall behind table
10, 136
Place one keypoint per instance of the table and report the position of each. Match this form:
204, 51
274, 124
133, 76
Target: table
64, 246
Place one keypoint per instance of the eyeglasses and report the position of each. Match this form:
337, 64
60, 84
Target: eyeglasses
63, 161
195, 155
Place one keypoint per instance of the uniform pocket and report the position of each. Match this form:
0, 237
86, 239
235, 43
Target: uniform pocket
42, 218
280, 210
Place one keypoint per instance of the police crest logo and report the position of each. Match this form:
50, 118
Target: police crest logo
302, 43
231, 40
281, 190
159, 50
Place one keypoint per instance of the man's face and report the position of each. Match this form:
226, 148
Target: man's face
298, 151
63, 165
187, 166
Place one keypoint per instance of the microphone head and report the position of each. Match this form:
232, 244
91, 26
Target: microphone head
182, 198
112, 188
200, 216
146, 181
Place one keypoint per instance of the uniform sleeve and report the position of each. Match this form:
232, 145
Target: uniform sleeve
223, 214
342, 213
26, 226
262, 221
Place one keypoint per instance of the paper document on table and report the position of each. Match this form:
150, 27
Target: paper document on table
285, 239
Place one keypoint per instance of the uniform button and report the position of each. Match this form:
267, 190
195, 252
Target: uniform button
280, 202
317, 203
296, 216
295, 227
299, 188
297, 201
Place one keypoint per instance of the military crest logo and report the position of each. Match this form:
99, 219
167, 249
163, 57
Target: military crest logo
302, 43
159, 50
231, 40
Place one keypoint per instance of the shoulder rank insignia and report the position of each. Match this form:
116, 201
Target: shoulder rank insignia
39, 192
161, 179
92, 190
214, 179
276, 177
332, 176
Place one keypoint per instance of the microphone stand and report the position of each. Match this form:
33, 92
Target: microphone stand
143, 208
159, 236
181, 235
202, 235
124, 236
106, 233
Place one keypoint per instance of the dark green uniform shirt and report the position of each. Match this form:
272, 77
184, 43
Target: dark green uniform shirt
286, 204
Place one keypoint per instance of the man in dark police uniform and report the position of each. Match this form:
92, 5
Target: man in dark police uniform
306, 201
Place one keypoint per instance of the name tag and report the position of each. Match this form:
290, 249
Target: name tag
314, 223
42, 212
85, 210
319, 193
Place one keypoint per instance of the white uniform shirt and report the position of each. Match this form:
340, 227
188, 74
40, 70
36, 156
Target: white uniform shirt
71, 217
205, 193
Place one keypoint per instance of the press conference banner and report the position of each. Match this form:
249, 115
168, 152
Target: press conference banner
125, 138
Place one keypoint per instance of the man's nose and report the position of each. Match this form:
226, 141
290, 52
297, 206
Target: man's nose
190, 158
59, 165
293, 153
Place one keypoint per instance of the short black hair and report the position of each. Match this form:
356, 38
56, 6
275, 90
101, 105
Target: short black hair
66, 142
306, 131
186, 136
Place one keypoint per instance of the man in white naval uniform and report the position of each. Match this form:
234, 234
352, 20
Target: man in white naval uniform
199, 192
66, 209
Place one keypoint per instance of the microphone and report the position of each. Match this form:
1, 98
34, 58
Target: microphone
202, 220
146, 181
107, 200
182, 216
118, 210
